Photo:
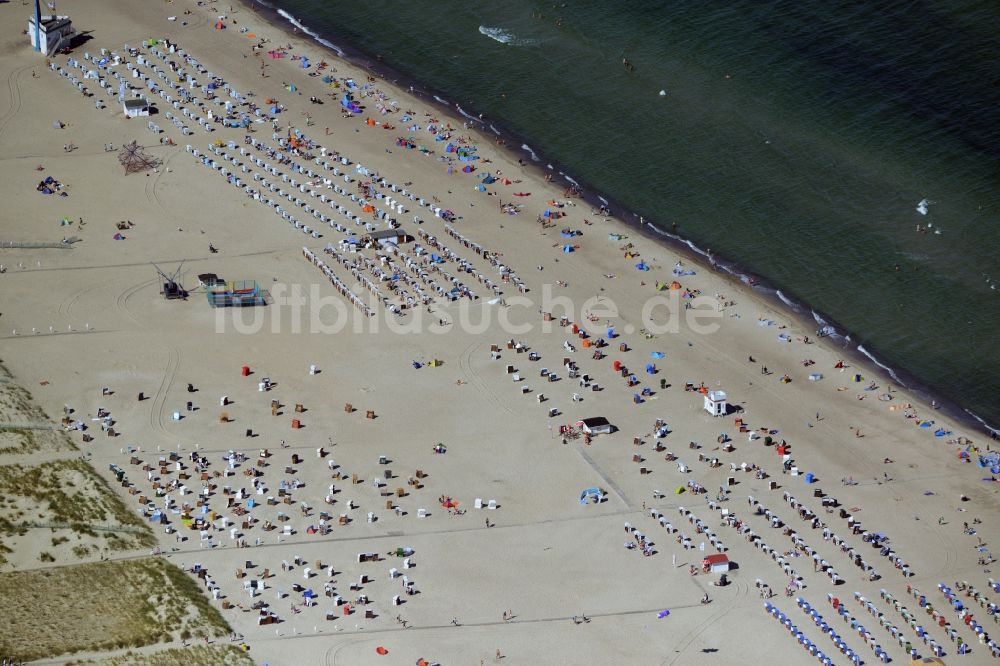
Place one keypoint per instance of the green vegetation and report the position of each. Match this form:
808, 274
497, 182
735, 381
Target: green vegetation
17, 408
104, 606
67, 494
199, 655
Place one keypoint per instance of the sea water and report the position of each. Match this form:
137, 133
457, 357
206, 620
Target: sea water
795, 140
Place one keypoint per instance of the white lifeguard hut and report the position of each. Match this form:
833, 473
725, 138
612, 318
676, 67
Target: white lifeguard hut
135, 108
51, 33
715, 403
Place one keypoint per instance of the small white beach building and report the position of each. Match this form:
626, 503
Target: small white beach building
715, 403
596, 425
135, 107
55, 32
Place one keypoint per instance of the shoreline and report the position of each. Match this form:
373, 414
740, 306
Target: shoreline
771, 295
337, 482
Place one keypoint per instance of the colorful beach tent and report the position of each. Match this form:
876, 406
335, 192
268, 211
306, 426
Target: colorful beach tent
351, 106
591, 493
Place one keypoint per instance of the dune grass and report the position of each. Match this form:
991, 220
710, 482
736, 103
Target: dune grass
69, 495
17, 407
102, 606
196, 655
66, 491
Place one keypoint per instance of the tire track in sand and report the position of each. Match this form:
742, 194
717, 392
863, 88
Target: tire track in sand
465, 363
691, 636
330, 658
66, 307
121, 303
160, 397
15, 97
151, 183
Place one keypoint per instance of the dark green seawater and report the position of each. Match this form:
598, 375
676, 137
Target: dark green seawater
795, 140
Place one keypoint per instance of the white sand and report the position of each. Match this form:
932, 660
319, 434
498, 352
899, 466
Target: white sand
548, 558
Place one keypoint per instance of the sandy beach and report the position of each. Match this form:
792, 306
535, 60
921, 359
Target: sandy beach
454, 402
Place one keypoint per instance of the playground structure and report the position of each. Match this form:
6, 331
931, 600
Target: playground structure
170, 286
238, 293
135, 159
